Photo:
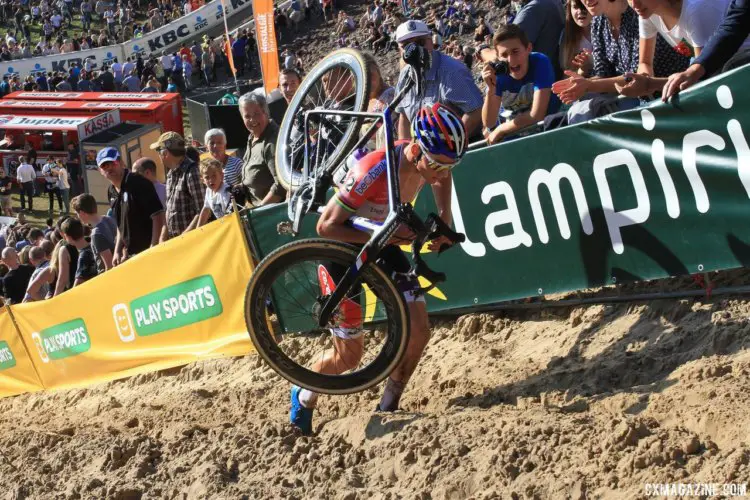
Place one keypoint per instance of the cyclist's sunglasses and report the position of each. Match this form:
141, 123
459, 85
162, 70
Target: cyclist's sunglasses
437, 166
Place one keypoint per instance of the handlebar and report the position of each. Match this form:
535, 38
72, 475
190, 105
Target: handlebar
431, 228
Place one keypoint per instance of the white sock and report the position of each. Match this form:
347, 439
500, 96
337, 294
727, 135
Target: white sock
308, 399
391, 395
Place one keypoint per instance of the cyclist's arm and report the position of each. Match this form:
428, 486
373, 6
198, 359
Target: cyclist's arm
332, 224
442, 190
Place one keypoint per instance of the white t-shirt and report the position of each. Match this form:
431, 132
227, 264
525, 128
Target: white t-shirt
698, 21
56, 20
220, 202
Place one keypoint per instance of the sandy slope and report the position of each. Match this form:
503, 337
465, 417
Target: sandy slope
589, 402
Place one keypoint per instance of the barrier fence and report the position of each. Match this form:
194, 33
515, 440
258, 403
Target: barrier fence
177, 303
643, 194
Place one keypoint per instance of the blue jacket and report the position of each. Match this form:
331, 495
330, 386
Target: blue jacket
728, 37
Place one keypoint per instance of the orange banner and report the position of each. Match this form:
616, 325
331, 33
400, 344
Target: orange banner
230, 56
265, 34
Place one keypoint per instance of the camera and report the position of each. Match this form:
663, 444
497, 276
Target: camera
501, 68
417, 56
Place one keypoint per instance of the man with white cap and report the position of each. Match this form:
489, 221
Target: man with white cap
447, 81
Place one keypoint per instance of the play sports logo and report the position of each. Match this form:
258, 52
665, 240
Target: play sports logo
7, 360
172, 307
62, 341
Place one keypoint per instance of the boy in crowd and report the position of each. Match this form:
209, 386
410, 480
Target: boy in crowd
103, 234
218, 198
72, 230
525, 92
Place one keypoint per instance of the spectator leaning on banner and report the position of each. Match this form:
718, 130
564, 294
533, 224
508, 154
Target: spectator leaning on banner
721, 50
103, 233
259, 167
136, 209
447, 81
185, 192
216, 142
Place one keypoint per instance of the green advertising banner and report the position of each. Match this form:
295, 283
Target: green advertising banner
650, 193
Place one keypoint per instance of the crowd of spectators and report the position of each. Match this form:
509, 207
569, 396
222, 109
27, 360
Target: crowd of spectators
45, 27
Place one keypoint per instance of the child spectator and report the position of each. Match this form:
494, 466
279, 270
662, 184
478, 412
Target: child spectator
575, 46
524, 92
171, 86
103, 233
85, 269
218, 199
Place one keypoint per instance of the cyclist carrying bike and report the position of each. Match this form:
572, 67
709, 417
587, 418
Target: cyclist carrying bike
439, 141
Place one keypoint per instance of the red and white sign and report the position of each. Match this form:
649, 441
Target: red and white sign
32, 104
7, 104
47, 123
98, 123
93, 96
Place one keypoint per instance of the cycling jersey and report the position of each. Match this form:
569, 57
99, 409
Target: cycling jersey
364, 189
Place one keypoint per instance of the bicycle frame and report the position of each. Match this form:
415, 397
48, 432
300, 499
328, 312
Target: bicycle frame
398, 213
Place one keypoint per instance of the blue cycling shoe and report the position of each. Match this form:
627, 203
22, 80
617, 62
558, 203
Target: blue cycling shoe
300, 416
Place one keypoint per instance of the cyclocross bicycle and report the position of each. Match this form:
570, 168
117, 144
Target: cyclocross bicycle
288, 311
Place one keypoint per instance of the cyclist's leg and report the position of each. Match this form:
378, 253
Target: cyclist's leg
348, 344
395, 261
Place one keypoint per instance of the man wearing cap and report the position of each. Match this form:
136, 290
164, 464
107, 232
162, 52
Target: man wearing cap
185, 192
135, 207
447, 81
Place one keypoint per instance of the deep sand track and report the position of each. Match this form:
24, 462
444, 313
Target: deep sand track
580, 403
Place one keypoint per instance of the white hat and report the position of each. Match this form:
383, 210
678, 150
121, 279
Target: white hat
412, 29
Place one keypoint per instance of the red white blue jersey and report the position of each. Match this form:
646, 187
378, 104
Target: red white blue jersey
364, 189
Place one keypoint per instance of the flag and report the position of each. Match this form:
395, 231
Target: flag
228, 52
267, 50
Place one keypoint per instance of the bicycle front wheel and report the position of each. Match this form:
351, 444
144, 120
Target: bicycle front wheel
365, 339
339, 82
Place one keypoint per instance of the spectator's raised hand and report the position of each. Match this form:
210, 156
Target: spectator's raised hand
583, 62
681, 81
636, 85
489, 76
572, 88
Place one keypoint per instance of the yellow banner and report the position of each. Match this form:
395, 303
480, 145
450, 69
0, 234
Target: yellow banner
179, 302
267, 48
17, 373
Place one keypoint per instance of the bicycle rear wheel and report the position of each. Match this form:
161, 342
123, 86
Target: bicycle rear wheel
287, 335
339, 82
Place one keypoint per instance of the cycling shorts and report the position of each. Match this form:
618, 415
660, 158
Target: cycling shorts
394, 262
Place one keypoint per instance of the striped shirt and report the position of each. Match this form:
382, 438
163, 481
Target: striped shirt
233, 171
448, 81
